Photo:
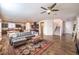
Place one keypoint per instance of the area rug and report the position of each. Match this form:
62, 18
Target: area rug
44, 48
23, 50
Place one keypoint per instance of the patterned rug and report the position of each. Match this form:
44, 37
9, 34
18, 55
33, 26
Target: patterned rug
44, 48
33, 49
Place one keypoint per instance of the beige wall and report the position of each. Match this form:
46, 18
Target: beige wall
68, 28
0, 29
48, 27
78, 27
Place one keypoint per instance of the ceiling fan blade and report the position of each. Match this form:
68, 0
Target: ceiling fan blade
43, 12
44, 8
55, 10
53, 6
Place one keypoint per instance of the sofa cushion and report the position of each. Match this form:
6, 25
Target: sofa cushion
18, 39
18, 34
14, 35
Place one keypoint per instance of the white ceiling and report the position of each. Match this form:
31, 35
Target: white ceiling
31, 11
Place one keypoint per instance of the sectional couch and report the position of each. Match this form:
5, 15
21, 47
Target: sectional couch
20, 38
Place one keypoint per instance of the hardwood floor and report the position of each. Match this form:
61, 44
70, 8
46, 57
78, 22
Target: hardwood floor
60, 46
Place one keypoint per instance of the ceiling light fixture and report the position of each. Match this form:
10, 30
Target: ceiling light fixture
48, 11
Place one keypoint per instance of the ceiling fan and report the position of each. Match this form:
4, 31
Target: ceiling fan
49, 9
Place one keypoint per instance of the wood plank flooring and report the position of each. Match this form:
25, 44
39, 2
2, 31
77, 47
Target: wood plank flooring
60, 46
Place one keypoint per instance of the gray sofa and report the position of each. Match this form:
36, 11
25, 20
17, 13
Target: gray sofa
20, 38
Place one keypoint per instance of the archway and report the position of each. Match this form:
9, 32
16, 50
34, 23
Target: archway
57, 27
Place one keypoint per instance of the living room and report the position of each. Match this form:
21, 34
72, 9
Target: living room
39, 28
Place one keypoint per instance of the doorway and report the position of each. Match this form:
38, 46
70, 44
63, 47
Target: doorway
41, 29
57, 27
